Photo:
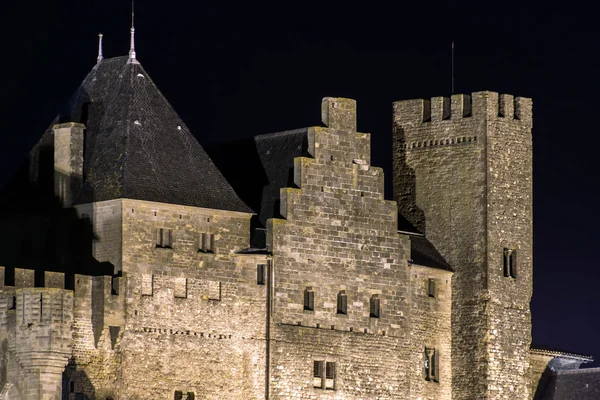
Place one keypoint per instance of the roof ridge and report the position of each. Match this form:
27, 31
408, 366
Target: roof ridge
281, 133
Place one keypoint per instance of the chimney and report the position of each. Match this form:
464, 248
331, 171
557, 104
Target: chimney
68, 161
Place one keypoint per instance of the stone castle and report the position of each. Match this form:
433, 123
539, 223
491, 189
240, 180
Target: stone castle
138, 266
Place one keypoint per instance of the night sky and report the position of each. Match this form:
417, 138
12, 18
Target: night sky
235, 71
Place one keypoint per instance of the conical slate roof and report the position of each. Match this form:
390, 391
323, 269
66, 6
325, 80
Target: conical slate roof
137, 147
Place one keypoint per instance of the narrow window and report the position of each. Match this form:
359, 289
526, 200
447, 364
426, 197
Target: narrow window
207, 243
191, 396
510, 263
260, 274
163, 238
318, 374
309, 299
342, 303
431, 364
14, 303
72, 387
114, 285
178, 395
375, 310
513, 264
330, 375
431, 287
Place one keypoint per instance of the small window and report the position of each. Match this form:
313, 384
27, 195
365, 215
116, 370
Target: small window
330, 375
342, 303
510, 263
114, 285
375, 311
207, 243
178, 395
318, 369
260, 274
309, 299
191, 396
318, 374
163, 238
431, 364
513, 264
431, 287
72, 387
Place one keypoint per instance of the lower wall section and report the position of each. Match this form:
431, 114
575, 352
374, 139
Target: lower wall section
367, 366
212, 366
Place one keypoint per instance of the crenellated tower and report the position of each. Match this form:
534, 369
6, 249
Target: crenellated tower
463, 176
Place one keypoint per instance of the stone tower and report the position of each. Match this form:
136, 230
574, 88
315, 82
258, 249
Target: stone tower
463, 176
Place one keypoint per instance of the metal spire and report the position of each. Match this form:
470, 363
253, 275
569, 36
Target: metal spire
132, 45
100, 56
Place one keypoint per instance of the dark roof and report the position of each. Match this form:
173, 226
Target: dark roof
265, 164
137, 147
424, 253
578, 384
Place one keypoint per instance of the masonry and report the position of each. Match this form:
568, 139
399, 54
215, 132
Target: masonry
137, 265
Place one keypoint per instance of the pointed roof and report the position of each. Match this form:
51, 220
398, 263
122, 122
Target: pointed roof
137, 147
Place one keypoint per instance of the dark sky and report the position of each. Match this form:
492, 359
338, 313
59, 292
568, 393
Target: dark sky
238, 70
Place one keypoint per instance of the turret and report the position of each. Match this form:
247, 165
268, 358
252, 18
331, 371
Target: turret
463, 176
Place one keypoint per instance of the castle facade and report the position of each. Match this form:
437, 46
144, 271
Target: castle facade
273, 268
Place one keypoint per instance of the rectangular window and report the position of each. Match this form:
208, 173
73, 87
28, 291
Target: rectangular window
206, 243
178, 395
260, 274
309, 299
114, 285
191, 396
318, 369
431, 370
318, 374
330, 375
163, 238
375, 310
342, 303
431, 287
510, 263
513, 264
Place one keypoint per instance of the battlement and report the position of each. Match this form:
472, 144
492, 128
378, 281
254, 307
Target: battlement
479, 105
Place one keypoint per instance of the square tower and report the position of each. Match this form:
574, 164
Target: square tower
463, 176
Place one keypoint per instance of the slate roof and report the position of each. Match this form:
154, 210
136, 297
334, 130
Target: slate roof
137, 147
423, 252
578, 384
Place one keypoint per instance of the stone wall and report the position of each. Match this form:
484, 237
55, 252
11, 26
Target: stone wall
462, 174
339, 235
430, 326
195, 319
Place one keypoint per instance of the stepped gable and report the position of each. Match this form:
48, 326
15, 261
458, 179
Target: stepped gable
137, 147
